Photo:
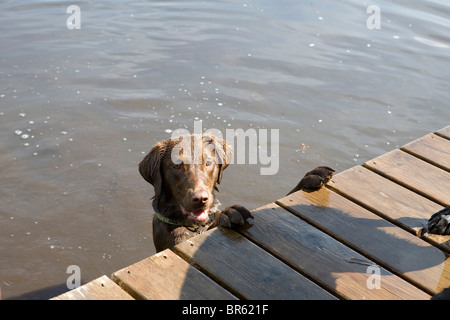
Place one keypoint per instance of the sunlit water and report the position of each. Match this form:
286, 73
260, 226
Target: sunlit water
80, 108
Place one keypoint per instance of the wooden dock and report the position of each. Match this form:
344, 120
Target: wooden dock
358, 238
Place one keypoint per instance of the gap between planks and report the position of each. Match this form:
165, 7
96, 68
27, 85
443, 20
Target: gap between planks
389, 246
401, 206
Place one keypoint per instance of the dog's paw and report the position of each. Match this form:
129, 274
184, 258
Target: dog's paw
443, 295
234, 216
314, 179
312, 183
439, 223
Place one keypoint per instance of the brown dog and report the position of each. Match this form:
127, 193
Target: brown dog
185, 172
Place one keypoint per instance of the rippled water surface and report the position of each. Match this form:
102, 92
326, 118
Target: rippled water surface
80, 108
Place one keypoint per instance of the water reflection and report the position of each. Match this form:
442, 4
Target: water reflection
90, 103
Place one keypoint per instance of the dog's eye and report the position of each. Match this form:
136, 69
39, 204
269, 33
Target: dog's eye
208, 162
177, 166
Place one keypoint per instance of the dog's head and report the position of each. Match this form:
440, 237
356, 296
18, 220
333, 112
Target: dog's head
184, 172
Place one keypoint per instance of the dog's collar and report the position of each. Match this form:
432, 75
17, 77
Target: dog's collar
167, 220
186, 223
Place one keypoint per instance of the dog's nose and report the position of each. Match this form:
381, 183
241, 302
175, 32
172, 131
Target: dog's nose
200, 197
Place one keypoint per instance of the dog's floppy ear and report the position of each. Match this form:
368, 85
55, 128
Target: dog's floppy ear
224, 154
149, 167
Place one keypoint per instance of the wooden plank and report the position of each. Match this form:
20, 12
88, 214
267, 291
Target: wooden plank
335, 266
431, 148
102, 288
388, 245
388, 200
165, 276
414, 174
246, 269
445, 132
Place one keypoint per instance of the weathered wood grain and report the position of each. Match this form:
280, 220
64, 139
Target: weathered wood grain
388, 245
415, 174
444, 132
165, 276
102, 288
335, 266
389, 200
246, 269
431, 148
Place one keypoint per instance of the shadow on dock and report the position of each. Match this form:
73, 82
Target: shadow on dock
329, 247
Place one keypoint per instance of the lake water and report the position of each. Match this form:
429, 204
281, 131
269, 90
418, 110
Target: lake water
79, 109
